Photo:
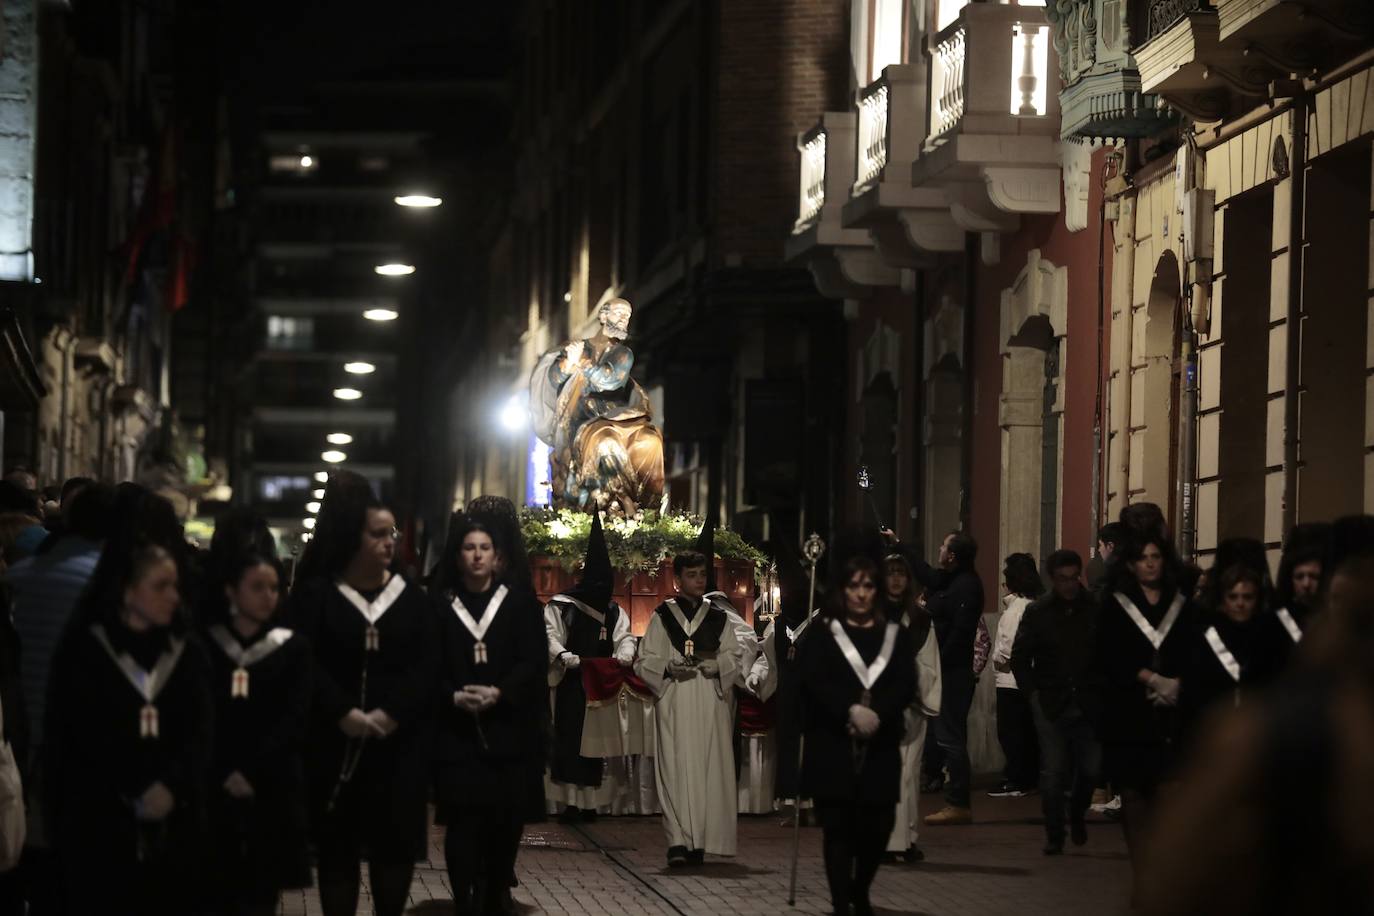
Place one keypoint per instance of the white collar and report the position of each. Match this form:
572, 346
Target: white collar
273, 640
374, 609
1223, 654
867, 674
1155, 636
478, 628
1291, 625
689, 627
583, 606
148, 683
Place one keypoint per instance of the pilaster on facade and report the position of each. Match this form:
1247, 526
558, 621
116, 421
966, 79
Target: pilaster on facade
993, 125
908, 224
843, 261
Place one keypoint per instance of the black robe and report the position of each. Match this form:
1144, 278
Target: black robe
381, 812
493, 765
1140, 740
789, 722
570, 698
830, 686
260, 844
98, 764
1207, 684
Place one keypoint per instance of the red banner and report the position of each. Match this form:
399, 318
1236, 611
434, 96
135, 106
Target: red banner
604, 679
755, 716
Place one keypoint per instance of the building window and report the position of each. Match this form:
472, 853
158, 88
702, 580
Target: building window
888, 42
276, 488
946, 11
286, 332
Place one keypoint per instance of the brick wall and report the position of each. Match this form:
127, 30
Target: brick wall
781, 64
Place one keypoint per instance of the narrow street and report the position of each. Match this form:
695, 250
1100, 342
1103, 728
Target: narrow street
616, 866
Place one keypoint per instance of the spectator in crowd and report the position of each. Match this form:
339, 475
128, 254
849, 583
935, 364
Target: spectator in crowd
23, 504
1055, 661
954, 599
1300, 578
1109, 536
1015, 724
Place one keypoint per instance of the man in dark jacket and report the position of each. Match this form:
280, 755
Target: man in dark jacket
954, 598
1053, 660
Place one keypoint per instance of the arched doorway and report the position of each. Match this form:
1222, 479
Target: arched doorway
1158, 388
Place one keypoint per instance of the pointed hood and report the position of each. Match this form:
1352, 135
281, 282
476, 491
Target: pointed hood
597, 583
706, 546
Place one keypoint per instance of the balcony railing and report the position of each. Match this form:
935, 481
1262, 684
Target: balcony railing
1164, 13
812, 190
948, 90
989, 69
873, 134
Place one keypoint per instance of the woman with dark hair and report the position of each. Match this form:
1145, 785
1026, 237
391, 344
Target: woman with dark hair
491, 686
128, 735
855, 689
368, 740
1300, 578
1145, 633
260, 679
1015, 724
1234, 651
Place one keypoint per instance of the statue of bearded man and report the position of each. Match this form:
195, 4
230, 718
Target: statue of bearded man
597, 420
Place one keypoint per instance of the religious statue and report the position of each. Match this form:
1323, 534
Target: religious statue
597, 421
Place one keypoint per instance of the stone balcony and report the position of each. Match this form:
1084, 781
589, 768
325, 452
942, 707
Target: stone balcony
992, 128
908, 224
1215, 60
843, 260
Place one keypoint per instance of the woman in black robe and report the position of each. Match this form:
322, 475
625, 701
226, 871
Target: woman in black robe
1145, 635
260, 679
129, 736
857, 680
491, 687
1236, 650
371, 722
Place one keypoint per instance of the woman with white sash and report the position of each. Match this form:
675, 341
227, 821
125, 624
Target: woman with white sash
1299, 582
858, 678
1145, 633
371, 723
129, 737
260, 680
1235, 652
492, 681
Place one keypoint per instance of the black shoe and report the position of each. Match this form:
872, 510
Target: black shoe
677, 856
863, 907
1078, 832
1005, 790
589, 815
569, 815
1054, 848
914, 855
696, 857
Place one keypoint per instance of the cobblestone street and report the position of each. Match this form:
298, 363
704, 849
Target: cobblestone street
616, 866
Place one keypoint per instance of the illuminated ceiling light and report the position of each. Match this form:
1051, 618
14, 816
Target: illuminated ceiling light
309, 523
395, 270
418, 200
338, 438
567, 297
360, 368
381, 315
321, 477
347, 394
333, 456
307, 162
318, 494
312, 507
307, 535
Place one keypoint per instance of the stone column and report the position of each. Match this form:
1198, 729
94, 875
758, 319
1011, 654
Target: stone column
18, 126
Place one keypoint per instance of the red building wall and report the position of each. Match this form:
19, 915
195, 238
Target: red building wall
1078, 251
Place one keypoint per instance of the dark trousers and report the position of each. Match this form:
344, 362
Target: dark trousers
1016, 732
1069, 752
951, 732
340, 868
480, 848
853, 839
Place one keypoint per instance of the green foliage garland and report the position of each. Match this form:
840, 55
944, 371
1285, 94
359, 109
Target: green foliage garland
637, 544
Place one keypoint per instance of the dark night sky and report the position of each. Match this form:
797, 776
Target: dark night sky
275, 48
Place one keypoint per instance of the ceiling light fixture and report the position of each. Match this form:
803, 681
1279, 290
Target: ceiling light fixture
333, 456
338, 438
418, 200
360, 368
347, 394
394, 270
381, 315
